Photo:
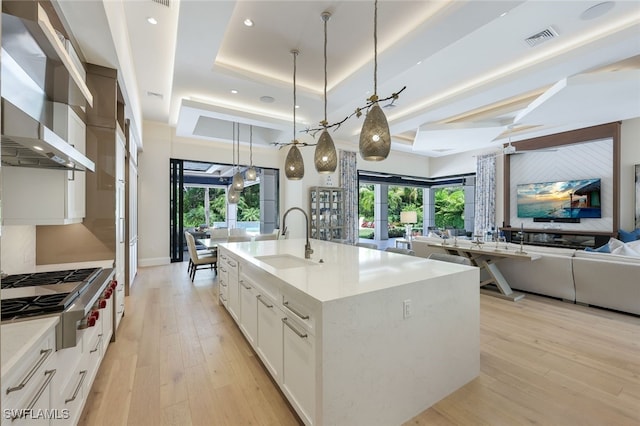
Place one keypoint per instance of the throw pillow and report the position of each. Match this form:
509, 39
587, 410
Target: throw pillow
625, 250
604, 249
627, 237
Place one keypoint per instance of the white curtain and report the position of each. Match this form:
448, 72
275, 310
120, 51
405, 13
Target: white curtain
349, 183
485, 202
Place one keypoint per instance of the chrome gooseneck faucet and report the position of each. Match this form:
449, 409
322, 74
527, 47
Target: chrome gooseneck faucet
307, 246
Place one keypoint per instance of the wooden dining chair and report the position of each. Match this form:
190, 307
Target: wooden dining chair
199, 260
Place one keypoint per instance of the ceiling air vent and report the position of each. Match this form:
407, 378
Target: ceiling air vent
541, 37
162, 2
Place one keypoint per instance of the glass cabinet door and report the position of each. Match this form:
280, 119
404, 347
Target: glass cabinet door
326, 210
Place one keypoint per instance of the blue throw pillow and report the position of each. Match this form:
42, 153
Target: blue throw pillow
627, 237
604, 249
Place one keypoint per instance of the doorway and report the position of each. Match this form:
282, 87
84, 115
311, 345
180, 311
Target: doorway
198, 201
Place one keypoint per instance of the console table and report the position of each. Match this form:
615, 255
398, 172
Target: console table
485, 259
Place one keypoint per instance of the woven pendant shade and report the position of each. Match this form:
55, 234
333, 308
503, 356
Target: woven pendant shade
375, 139
251, 174
293, 165
238, 182
232, 196
325, 158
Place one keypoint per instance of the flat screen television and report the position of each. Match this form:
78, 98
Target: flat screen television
562, 199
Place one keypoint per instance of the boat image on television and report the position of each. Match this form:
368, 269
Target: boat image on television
562, 199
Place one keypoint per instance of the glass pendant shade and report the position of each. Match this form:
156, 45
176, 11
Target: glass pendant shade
293, 165
232, 196
238, 182
375, 139
251, 174
325, 158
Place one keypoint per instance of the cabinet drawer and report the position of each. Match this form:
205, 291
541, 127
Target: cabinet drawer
17, 387
299, 309
74, 394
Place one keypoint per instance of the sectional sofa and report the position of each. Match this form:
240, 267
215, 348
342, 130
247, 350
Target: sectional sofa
597, 279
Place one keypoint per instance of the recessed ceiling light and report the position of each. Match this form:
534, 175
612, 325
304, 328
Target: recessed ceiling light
248, 22
297, 106
152, 20
234, 91
418, 63
39, 148
503, 14
267, 99
597, 11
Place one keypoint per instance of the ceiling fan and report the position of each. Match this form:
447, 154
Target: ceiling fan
510, 149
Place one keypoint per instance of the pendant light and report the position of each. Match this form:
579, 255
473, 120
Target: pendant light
232, 195
238, 180
325, 158
251, 174
375, 138
294, 165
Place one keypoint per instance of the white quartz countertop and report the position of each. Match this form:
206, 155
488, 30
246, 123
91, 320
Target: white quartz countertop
346, 270
18, 338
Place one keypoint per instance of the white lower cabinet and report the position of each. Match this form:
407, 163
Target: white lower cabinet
234, 295
248, 309
298, 369
279, 325
269, 335
223, 279
28, 393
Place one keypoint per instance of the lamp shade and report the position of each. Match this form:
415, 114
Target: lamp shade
375, 139
251, 174
408, 217
325, 158
294, 165
232, 196
238, 182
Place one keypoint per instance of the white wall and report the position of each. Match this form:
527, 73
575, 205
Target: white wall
629, 157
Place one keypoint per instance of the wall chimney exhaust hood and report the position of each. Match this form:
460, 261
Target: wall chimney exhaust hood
28, 143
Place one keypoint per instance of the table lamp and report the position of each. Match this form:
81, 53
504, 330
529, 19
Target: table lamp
408, 218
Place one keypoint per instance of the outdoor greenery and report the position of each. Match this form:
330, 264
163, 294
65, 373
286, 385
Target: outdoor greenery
400, 198
194, 205
449, 208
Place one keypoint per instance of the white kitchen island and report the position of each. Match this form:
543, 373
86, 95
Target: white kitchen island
354, 336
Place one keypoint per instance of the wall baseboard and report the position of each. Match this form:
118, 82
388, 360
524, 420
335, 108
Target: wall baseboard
155, 261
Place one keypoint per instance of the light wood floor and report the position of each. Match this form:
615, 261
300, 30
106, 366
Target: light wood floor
179, 359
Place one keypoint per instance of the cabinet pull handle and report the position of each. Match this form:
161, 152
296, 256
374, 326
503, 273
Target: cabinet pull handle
248, 287
222, 269
223, 299
97, 344
34, 401
83, 374
288, 324
295, 311
264, 302
44, 354
223, 257
222, 283
232, 263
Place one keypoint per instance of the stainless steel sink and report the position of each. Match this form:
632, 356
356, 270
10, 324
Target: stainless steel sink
285, 261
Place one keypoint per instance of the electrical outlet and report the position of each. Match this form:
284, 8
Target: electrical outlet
406, 309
